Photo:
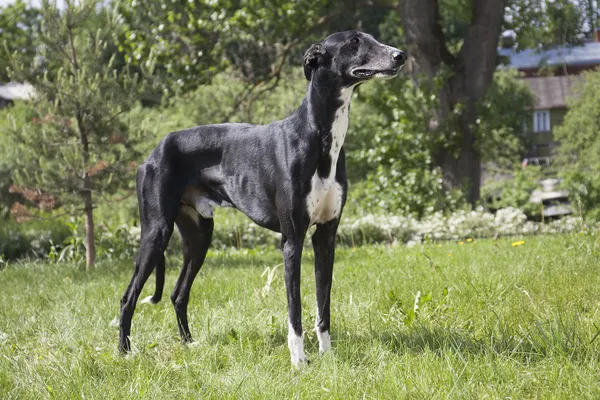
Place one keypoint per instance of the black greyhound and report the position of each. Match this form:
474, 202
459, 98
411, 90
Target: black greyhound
285, 176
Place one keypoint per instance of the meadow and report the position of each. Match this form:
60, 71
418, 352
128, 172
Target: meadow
505, 318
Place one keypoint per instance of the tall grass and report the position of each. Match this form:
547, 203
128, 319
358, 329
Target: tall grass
484, 319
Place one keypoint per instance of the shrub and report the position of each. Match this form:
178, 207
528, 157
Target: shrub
30, 239
578, 156
512, 192
63, 242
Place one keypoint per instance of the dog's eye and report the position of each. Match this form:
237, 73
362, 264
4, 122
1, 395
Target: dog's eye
355, 40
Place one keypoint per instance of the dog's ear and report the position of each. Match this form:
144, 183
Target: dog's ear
311, 58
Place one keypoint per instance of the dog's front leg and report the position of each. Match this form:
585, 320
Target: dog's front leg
292, 255
324, 246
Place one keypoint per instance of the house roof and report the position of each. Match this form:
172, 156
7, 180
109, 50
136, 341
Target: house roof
16, 91
552, 91
587, 54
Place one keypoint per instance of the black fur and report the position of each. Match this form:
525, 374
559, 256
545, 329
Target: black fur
263, 171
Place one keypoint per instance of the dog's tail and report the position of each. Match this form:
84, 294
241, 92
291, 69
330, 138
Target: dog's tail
160, 283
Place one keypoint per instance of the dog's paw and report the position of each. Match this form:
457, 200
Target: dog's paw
324, 341
296, 346
300, 363
148, 300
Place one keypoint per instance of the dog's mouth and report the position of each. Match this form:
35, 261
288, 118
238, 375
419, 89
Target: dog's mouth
364, 73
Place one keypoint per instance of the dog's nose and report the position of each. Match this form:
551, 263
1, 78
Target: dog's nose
399, 56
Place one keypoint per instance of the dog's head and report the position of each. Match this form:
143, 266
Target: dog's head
354, 57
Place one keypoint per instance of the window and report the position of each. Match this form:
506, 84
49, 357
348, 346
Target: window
541, 121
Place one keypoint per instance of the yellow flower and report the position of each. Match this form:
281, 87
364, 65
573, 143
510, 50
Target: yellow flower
449, 254
461, 243
519, 243
469, 240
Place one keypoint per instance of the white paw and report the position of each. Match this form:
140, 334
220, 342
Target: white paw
299, 361
114, 323
147, 300
296, 346
324, 341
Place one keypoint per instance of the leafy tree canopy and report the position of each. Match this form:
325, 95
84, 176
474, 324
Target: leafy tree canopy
19, 23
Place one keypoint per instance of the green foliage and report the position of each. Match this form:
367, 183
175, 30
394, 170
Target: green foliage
578, 157
114, 242
29, 240
222, 61
515, 191
222, 100
18, 114
184, 37
565, 22
62, 240
195, 40
19, 23
456, 17
75, 142
392, 146
395, 153
548, 23
584, 191
501, 127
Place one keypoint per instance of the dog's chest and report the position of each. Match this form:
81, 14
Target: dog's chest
324, 201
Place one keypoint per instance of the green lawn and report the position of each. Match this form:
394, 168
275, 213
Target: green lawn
492, 321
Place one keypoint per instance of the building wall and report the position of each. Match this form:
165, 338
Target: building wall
543, 142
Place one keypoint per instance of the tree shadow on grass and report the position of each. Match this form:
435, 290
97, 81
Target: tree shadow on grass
234, 259
530, 346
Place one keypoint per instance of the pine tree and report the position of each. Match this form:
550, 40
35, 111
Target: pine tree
77, 151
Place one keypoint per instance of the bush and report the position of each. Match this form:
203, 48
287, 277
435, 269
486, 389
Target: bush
393, 145
390, 151
16, 115
30, 239
584, 192
512, 192
456, 226
63, 242
578, 157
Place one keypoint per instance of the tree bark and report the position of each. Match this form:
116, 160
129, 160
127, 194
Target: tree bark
90, 245
471, 71
86, 193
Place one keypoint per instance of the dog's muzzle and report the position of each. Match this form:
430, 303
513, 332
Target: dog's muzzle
398, 58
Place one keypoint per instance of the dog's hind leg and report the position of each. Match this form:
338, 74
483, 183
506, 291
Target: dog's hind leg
150, 255
196, 234
160, 282
157, 217
324, 246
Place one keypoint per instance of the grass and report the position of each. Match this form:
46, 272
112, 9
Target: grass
479, 320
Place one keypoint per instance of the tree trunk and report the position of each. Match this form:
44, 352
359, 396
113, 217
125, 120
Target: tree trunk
471, 71
90, 245
463, 171
86, 190
86, 193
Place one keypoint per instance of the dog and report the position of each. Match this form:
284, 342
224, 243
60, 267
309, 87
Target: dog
285, 176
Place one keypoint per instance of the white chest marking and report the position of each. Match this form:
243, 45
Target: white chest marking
324, 201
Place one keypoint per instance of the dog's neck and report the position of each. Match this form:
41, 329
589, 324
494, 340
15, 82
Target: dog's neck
327, 106
327, 103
